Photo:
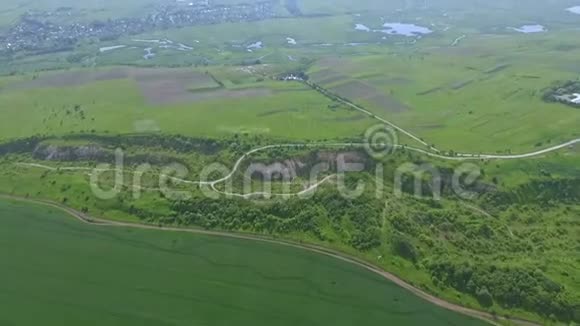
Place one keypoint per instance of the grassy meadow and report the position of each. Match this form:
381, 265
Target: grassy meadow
484, 95
282, 110
479, 94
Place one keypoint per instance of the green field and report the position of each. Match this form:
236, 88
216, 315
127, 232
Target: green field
484, 95
464, 98
52, 104
60, 271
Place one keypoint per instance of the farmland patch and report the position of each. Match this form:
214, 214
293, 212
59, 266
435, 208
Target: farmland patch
158, 86
327, 76
70, 79
360, 91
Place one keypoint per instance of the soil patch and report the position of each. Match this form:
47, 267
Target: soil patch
359, 91
158, 86
70, 79
274, 112
327, 76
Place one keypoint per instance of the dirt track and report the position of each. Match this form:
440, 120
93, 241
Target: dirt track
84, 218
458, 157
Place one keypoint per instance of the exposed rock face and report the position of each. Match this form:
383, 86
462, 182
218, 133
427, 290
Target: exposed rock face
48, 152
96, 153
19, 146
314, 163
338, 161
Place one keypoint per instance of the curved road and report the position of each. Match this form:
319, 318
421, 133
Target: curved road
84, 218
212, 184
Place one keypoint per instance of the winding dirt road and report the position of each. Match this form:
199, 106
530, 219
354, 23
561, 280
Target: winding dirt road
214, 183
84, 218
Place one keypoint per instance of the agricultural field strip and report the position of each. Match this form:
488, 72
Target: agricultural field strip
487, 317
212, 184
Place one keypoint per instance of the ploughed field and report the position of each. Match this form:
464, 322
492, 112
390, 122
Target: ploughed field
58, 271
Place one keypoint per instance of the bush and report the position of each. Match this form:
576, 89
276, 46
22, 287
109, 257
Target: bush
484, 297
404, 248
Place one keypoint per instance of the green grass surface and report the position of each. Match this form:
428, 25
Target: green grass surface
453, 99
273, 109
456, 100
64, 272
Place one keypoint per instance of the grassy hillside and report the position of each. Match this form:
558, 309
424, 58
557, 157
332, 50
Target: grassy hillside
520, 229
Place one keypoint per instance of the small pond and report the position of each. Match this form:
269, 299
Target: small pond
574, 10
111, 48
405, 29
361, 27
149, 54
257, 45
530, 29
